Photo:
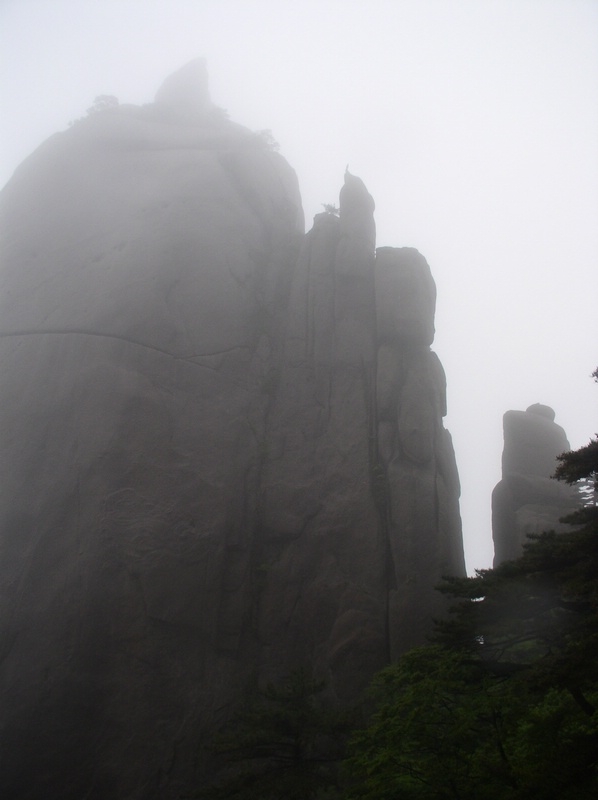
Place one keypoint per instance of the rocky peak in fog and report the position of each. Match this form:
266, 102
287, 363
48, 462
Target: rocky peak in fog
185, 93
224, 455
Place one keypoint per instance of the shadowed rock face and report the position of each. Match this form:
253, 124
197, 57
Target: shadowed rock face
223, 451
527, 501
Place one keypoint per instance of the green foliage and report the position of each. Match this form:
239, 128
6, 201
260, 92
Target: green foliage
284, 745
432, 733
101, 103
503, 704
579, 466
447, 726
330, 208
538, 614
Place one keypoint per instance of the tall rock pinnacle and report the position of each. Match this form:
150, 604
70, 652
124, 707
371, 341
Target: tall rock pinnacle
223, 455
527, 500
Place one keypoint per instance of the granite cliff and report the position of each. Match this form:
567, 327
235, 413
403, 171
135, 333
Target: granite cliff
223, 449
527, 500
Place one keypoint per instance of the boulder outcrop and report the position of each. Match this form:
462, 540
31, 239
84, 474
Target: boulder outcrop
527, 500
223, 454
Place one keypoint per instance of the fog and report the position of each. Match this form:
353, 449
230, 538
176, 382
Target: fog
474, 126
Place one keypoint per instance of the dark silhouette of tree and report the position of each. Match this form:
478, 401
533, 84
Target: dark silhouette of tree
284, 745
266, 138
103, 102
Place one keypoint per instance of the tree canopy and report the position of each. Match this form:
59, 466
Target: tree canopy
284, 745
503, 703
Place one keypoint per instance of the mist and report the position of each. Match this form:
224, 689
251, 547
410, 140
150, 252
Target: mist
473, 125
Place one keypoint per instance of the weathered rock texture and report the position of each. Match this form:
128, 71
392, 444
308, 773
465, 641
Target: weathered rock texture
222, 446
527, 500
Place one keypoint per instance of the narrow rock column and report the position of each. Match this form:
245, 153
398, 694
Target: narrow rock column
418, 485
354, 295
527, 501
323, 591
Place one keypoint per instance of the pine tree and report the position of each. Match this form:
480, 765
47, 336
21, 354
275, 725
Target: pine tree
284, 745
504, 703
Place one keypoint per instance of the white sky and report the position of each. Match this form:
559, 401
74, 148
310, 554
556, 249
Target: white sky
474, 124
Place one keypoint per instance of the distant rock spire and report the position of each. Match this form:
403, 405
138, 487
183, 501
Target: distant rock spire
185, 92
527, 501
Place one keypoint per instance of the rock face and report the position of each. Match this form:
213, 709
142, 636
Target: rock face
527, 501
223, 450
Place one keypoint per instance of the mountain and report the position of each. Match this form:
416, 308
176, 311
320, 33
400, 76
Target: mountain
222, 438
